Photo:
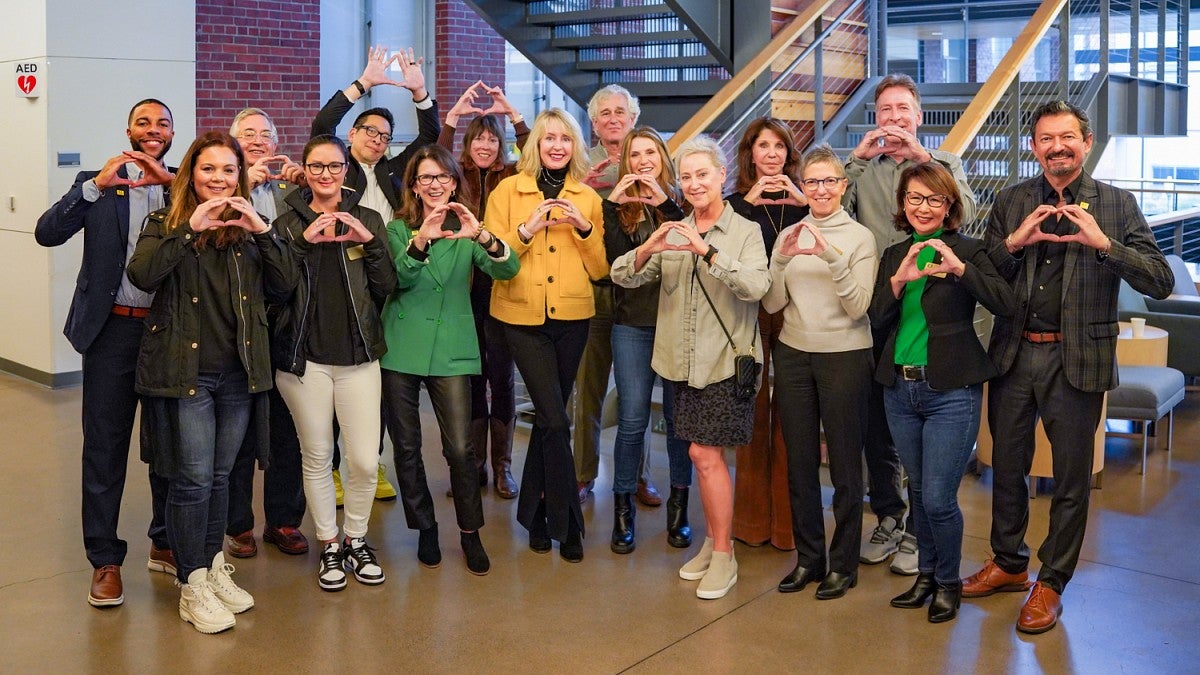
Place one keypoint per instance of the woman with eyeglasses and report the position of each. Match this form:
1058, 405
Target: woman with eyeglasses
712, 270
933, 368
822, 274
484, 164
555, 225
211, 262
438, 246
766, 192
642, 199
327, 345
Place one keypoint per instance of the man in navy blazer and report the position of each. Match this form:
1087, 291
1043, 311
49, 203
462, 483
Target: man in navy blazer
105, 326
1064, 241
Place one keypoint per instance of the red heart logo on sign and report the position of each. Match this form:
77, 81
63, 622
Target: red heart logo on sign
26, 83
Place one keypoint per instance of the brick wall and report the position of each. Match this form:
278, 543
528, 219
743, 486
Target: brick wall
467, 50
259, 53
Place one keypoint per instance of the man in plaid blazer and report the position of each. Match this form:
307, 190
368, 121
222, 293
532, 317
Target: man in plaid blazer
1064, 241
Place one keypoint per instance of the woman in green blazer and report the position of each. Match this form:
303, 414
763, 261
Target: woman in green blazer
430, 328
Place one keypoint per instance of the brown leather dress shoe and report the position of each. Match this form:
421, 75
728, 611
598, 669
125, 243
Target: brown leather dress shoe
106, 588
288, 539
1041, 610
991, 579
242, 545
647, 494
161, 560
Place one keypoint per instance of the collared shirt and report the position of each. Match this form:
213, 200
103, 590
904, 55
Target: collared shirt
373, 196
263, 199
1045, 299
142, 202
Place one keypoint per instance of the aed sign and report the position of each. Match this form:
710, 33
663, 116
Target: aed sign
28, 77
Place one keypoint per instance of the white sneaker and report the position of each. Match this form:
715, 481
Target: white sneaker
230, 594
905, 561
884, 541
330, 575
696, 567
720, 577
199, 606
360, 558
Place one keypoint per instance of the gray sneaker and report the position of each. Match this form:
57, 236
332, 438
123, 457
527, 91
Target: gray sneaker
905, 561
884, 541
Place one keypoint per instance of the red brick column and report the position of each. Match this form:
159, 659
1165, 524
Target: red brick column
467, 50
263, 54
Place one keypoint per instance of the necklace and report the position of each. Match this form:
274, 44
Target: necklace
551, 180
774, 226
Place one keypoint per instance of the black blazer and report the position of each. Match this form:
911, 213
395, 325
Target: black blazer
1090, 285
105, 225
389, 173
956, 357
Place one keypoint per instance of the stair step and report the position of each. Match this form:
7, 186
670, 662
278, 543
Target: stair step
647, 63
623, 39
603, 15
692, 89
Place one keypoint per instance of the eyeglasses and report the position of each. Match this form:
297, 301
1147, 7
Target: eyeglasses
250, 134
428, 178
934, 201
829, 183
316, 168
372, 132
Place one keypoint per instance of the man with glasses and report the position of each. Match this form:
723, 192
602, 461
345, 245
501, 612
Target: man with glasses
376, 179
105, 325
874, 169
272, 177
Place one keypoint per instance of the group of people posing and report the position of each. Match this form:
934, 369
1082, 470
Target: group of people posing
266, 308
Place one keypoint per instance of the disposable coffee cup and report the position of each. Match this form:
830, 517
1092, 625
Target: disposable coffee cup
1139, 326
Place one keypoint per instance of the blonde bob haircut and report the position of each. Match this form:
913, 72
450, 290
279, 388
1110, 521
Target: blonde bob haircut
531, 157
700, 145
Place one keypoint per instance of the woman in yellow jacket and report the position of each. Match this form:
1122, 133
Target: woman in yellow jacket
555, 225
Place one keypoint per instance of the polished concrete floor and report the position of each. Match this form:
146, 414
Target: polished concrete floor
1134, 605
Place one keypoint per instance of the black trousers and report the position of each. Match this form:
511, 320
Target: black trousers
883, 464
283, 484
827, 390
109, 406
548, 357
497, 366
1036, 386
451, 399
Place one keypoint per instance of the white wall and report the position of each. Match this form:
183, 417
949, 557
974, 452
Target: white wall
100, 57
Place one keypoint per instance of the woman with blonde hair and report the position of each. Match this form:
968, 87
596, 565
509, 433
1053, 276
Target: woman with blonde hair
554, 224
712, 271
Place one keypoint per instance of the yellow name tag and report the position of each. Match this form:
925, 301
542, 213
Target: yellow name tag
354, 253
930, 265
1083, 205
120, 193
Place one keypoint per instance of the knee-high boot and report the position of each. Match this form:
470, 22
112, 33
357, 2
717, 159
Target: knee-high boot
502, 442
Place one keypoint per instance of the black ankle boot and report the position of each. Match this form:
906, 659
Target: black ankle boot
945, 602
571, 548
624, 515
477, 558
539, 533
915, 597
429, 553
679, 532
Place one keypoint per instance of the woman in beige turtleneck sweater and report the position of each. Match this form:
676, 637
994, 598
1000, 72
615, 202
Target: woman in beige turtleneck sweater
822, 274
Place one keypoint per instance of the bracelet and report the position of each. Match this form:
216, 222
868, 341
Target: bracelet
478, 234
423, 98
710, 254
1008, 243
516, 120
362, 91
523, 233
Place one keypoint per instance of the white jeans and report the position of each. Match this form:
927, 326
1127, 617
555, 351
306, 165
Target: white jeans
352, 392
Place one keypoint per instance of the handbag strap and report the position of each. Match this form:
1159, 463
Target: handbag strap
696, 277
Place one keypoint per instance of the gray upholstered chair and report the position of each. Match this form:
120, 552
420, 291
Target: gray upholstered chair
1184, 298
1145, 394
1183, 346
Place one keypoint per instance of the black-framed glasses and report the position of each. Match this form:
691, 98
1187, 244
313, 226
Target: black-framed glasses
372, 132
316, 168
934, 201
829, 183
428, 178
250, 135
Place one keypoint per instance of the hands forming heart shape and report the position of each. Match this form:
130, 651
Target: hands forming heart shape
793, 240
467, 103
265, 169
638, 188
792, 196
227, 212
1088, 232
153, 171
949, 264
323, 230
674, 235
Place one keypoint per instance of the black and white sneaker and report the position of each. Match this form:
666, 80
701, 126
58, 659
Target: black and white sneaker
330, 575
360, 559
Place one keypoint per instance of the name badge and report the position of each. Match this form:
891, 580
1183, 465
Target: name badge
931, 265
120, 193
355, 252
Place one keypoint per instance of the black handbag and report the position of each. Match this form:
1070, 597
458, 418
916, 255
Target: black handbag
746, 369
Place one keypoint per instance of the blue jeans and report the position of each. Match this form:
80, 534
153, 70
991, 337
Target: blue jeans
632, 348
934, 432
212, 425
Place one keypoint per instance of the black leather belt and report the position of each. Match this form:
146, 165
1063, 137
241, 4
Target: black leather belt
911, 373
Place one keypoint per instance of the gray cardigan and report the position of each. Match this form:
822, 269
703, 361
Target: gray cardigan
689, 345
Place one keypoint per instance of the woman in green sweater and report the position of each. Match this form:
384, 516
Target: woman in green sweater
437, 243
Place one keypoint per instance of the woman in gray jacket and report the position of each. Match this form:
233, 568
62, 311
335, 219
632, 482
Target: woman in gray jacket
712, 270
